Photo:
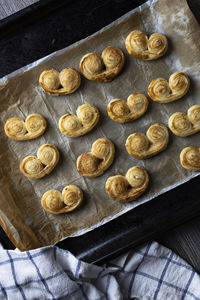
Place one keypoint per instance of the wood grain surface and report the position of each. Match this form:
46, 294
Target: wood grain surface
183, 240
9, 7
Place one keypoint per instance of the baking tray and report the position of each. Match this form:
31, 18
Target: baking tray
51, 25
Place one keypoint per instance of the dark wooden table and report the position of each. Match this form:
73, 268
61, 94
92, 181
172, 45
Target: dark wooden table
183, 240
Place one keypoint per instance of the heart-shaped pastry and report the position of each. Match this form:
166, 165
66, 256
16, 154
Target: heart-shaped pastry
184, 125
125, 111
18, 130
94, 163
56, 203
129, 187
138, 45
163, 92
37, 167
74, 126
102, 68
55, 83
190, 158
141, 145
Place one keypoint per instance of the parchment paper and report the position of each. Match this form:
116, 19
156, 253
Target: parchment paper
21, 215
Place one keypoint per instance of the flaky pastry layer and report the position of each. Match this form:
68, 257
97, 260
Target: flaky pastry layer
141, 145
139, 46
183, 125
162, 91
129, 187
75, 126
37, 167
56, 203
94, 163
63, 83
18, 130
190, 158
126, 111
102, 68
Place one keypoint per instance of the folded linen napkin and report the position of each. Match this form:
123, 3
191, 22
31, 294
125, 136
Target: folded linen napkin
152, 272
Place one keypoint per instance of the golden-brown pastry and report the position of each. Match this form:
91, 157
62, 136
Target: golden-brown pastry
142, 146
138, 45
94, 163
190, 158
184, 125
125, 111
102, 68
56, 203
163, 92
74, 126
37, 167
55, 83
18, 130
129, 187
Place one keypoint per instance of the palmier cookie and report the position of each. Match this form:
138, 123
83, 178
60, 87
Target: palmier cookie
125, 111
74, 126
141, 145
162, 91
138, 45
190, 158
102, 68
129, 187
18, 130
184, 125
37, 167
55, 83
56, 203
94, 163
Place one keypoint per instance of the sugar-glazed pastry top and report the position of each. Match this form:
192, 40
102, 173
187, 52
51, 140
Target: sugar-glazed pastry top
56, 203
138, 45
74, 126
164, 92
129, 187
94, 163
125, 111
104, 67
141, 145
184, 125
190, 158
18, 130
37, 167
55, 83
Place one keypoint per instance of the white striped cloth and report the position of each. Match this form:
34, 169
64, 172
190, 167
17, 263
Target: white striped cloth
152, 272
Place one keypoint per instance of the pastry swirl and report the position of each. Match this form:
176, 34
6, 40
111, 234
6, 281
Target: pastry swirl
94, 163
129, 187
125, 111
74, 126
184, 125
190, 158
138, 45
102, 68
142, 146
18, 130
56, 203
55, 83
163, 92
37, 167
